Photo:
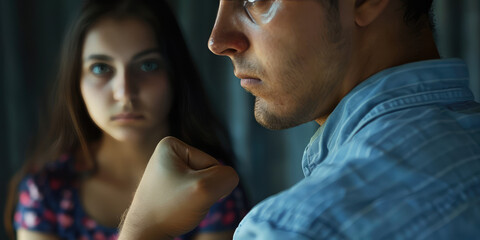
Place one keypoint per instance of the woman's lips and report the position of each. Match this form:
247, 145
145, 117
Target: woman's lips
127, 117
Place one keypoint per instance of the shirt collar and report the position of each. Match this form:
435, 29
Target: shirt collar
399, 87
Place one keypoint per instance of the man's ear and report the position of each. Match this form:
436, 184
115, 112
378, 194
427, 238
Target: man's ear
366, 11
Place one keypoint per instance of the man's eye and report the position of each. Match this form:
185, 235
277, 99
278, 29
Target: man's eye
100, 69
249, 4
149, 66
255, 8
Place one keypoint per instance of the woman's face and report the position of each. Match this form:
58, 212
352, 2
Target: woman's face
124, 82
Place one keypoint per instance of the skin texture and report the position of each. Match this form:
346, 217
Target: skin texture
182, 173
299, 59
290, 77
123, 73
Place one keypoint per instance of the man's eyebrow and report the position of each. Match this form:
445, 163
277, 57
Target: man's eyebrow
146, 52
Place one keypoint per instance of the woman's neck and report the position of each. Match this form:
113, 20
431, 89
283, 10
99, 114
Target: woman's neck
122, 161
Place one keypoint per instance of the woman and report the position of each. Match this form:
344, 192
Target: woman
126, 81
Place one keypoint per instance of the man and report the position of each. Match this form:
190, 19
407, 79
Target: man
398, 151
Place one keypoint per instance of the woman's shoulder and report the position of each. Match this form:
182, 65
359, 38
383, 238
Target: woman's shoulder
50, 183
44, 197
63, 166
227, 213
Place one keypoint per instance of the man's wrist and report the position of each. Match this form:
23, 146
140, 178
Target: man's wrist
135, 227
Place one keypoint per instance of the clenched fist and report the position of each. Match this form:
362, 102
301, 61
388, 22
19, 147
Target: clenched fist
178, 187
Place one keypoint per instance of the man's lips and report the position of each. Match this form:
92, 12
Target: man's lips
247, 81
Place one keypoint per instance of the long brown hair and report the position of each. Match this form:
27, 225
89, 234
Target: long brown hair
70, 126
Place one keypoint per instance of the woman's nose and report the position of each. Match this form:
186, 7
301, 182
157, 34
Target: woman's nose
124, 88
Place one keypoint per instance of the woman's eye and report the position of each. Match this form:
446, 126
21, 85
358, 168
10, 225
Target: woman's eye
149, 66
100, 69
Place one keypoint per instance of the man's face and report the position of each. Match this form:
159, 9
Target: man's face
292, 55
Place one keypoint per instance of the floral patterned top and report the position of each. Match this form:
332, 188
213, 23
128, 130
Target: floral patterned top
49, 202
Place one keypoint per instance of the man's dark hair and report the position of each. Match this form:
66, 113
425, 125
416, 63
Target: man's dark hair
415, 11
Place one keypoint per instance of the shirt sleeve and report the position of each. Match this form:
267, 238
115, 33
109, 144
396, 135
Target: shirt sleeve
225, 214
32, 211
253, 230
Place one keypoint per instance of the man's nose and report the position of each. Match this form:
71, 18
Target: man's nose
227, 37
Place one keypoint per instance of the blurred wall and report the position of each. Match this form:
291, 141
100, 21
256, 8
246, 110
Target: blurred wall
30, 35
268, 161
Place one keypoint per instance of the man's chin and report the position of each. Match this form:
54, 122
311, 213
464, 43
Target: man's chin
271, 121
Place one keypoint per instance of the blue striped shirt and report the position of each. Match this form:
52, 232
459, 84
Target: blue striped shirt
398, 158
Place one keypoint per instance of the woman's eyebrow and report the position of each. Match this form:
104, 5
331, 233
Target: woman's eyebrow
146, 52
103, 57
100, 57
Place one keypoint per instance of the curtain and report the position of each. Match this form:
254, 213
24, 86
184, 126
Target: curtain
458, 34
268, 161
30, 36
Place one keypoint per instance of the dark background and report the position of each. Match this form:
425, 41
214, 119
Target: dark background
268, 161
